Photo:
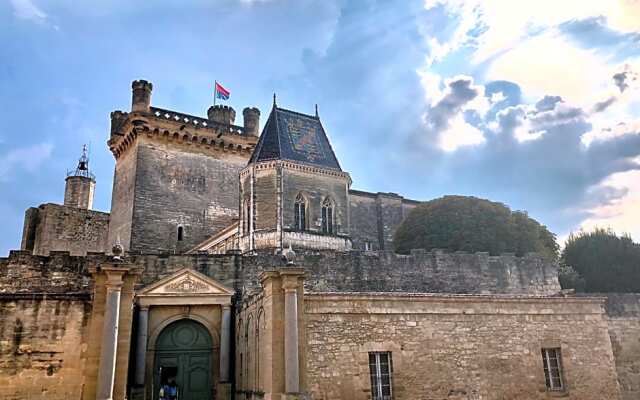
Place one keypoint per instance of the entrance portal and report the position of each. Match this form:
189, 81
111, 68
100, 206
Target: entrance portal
183, 358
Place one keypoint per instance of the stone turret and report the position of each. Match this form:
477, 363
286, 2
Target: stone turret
222, 114
141, 96
251, 117
80, 184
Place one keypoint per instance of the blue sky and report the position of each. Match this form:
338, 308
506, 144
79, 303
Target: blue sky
534, 104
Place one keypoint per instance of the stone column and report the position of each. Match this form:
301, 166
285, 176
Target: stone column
141, 344
225, 343
107, 366
291, 360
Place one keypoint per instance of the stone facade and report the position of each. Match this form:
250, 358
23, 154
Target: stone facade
375, 218
53, 227
176, 175
457, 347
623, 311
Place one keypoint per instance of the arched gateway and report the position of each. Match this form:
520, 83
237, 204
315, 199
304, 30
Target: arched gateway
183, 355
183, 335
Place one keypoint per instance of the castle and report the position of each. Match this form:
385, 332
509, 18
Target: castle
240, 264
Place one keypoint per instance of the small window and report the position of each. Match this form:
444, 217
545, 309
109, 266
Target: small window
381, 371
552, 361
180, 233
367, 246
327, 216
300, 213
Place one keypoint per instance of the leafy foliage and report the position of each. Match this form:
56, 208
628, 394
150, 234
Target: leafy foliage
471, 224
604, 261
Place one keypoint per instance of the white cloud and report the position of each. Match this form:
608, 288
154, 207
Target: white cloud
459, 134
25, 9
508, 22
27, 158
549, 65
621, 214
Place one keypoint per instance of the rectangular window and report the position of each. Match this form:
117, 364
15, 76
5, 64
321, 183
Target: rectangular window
552, 361
381, 371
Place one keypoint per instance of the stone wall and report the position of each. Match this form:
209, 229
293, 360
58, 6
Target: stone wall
179, 186
457, 347
352, 271
375, 218
421, 272
623, 311
122, 197
42, 346
44, 311
54, 227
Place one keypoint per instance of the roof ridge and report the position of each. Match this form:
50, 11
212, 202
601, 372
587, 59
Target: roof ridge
298, 113
275, 116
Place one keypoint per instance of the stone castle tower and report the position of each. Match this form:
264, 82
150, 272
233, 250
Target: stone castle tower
293, 191
175, 181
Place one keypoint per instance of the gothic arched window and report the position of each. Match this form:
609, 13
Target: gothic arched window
327, 216
300, 213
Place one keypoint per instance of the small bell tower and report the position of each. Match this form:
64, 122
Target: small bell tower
80, 184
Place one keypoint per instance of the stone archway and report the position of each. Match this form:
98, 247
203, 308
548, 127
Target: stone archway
183, 353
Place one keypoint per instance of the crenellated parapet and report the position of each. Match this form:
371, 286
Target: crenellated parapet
217, 132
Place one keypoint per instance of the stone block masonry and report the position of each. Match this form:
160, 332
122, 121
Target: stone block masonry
457, 347
375, 217
54, 227
623, 312
44, 312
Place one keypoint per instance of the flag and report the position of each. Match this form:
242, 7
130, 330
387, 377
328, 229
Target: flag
221, 93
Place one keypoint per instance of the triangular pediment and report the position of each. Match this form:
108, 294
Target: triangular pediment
186, 282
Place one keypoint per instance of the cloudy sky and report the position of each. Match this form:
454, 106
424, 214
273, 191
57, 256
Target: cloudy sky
535, 104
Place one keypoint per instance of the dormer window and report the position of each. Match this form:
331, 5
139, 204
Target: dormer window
327, 216
300, 213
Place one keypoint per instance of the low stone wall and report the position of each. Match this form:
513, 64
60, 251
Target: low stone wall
351, 271
456, 347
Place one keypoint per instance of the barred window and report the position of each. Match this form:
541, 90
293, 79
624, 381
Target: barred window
381, 371
327, 216
552, 361
300, 213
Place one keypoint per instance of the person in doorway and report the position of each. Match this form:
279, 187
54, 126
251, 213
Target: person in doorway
169, 390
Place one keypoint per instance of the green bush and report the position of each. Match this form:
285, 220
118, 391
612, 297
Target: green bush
604, 262
471, 224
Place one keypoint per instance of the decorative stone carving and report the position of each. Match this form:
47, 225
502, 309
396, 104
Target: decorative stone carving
187, 285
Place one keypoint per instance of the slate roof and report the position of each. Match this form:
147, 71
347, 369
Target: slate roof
292, 136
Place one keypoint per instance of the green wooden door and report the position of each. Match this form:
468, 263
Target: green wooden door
183, 354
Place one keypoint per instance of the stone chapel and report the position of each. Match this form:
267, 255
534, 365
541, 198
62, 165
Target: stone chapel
239, 263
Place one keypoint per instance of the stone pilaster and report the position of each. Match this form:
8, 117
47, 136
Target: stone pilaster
225, 344
109, 345
141, 344
109, 331
291, 340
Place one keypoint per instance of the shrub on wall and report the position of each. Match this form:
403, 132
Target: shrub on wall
463, 223
603, 262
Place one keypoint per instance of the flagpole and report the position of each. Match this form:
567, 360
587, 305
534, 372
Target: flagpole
215, 92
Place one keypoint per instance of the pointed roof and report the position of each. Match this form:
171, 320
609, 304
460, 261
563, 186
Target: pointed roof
293, 136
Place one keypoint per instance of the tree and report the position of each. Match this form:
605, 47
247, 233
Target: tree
472, 224
604, 261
